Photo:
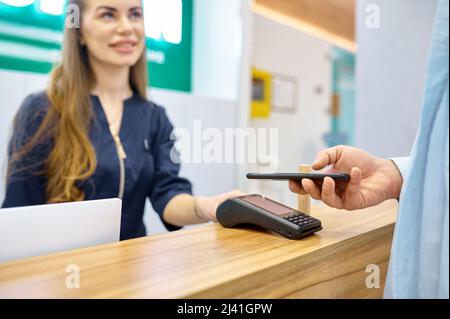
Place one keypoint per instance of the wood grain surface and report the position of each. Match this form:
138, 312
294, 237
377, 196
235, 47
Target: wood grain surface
213, 262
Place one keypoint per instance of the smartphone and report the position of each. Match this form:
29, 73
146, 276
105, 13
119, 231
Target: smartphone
315, 177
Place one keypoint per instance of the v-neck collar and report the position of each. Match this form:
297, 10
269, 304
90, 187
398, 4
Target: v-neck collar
101, 112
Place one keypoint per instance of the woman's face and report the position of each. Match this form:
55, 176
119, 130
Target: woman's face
113, 31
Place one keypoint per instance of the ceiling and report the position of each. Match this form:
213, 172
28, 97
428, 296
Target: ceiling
333, 20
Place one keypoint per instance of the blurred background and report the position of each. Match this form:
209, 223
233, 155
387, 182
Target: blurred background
322, 72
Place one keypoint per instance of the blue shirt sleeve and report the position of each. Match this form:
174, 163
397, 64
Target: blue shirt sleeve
166, 180
25, 184
419, 261
402, 165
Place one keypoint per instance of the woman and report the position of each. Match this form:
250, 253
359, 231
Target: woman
93, 134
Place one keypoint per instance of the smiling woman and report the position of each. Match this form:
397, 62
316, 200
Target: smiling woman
93, 134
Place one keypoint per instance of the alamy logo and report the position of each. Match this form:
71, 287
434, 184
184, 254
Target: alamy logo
231, 145
373, 16
73, 16
73, 279
373, 279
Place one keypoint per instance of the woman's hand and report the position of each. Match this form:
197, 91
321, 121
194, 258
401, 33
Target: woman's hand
206, 207
372, 180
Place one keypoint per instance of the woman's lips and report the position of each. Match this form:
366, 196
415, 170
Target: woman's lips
124, 47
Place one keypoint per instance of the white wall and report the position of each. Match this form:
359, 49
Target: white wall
390, 74
217, 48
287, 51
221, 60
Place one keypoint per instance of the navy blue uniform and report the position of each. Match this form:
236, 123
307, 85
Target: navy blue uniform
149, 171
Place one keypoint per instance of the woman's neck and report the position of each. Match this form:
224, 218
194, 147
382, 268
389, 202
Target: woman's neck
111, 82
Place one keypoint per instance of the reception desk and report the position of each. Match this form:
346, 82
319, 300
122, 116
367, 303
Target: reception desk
213, 262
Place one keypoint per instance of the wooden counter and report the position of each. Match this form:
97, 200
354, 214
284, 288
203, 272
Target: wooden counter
213, 262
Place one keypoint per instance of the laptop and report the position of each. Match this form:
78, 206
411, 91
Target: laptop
39, 230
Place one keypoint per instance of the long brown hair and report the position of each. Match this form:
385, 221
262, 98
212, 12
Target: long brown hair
72, 158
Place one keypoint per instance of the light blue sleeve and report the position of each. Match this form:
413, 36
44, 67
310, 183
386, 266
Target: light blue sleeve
419, 262
402, 165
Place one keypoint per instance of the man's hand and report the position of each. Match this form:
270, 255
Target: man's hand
372, 180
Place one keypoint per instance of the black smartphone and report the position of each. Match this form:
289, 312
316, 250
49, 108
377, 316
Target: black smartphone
315, 177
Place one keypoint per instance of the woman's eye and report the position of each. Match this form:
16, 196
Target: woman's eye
136, 15
107, 15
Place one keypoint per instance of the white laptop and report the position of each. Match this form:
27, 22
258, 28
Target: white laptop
44, 229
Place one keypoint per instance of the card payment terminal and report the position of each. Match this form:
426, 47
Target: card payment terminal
264, 212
